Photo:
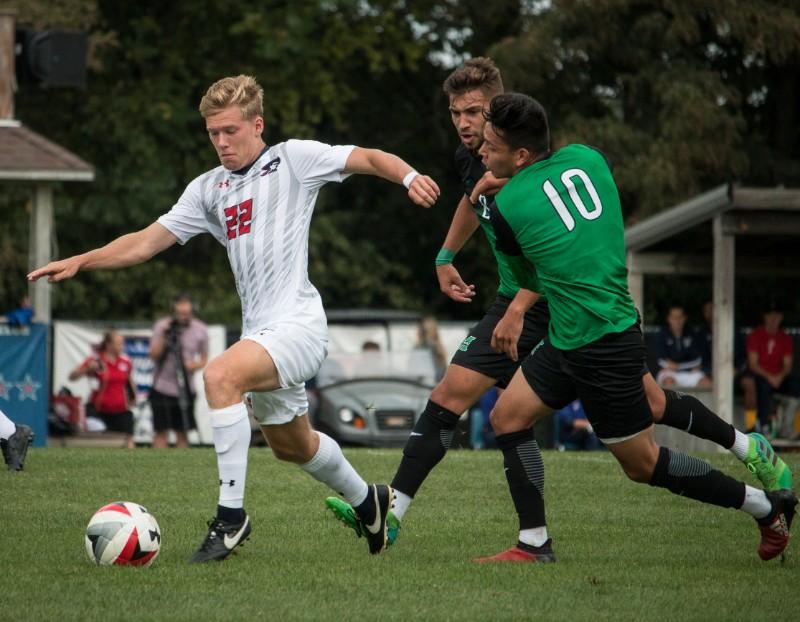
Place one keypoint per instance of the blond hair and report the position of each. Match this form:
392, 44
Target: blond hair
242, 91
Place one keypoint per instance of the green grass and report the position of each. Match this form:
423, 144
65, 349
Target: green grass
625, 551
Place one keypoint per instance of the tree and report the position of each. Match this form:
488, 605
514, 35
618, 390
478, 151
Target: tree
682, 96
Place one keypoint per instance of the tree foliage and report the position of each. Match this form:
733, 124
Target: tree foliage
682, 96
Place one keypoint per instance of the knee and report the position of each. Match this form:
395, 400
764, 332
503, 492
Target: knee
217, 378
640, 470
500, 422
289, 453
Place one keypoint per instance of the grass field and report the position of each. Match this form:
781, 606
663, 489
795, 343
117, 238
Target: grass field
625, 552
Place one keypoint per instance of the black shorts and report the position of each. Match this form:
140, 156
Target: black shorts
476, 353
606, 375
167, 413
117, 422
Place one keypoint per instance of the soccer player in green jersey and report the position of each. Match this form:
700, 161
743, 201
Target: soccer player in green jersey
559, 219
511, 327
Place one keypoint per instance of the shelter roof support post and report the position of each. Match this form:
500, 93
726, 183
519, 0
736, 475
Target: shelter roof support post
41, 235
636, 285
722, 344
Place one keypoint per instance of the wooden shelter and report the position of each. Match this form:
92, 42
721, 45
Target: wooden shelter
726, 231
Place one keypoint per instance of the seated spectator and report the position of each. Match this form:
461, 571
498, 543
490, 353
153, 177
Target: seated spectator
574, 429
679, 356
770, 356
22, 315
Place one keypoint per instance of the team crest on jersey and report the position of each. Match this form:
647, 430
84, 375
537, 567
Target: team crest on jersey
484, 202
466, 343
270, 167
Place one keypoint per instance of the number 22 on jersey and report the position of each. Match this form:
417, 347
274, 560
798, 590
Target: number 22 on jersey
559, 205
238, 218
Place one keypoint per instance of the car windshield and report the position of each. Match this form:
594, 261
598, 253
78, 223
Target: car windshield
414, 365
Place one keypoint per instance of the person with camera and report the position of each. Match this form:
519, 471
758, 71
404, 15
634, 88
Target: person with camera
179, 347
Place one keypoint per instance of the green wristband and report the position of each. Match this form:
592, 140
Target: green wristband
445, 257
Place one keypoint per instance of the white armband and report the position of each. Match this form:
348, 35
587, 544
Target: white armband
409, 178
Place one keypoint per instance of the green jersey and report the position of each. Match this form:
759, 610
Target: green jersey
471, 169
563, 215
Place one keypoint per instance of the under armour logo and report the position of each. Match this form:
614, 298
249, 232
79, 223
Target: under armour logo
224, 184
230, 483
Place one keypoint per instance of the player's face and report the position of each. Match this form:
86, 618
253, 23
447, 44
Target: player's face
236, 140
676, 319
497, 156
466, 112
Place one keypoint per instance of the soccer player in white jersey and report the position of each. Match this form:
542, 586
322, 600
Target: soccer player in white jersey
258, 205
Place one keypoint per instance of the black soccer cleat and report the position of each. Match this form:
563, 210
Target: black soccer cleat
15, 448
221, 539
382, 496
775, 527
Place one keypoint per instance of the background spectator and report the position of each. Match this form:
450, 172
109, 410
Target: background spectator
679, 355
703, 338
428, 338
179, 347
23, 314
114, 395
770, 356
574, 429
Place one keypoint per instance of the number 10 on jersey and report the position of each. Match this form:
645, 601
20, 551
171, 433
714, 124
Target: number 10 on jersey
559, 205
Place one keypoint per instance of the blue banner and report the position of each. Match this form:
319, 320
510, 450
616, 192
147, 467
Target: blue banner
24, 386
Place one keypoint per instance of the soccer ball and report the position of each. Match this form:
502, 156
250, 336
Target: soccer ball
124, 534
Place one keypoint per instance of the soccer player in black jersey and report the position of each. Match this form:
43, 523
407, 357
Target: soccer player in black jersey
514, 324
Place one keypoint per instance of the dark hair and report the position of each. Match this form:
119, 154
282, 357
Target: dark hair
520, 121
476, 73
182, 297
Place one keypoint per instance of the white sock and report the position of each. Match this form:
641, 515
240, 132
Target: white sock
741, 443
7, 427
756, 503
535, 537
401, 503
231, 432
330, 467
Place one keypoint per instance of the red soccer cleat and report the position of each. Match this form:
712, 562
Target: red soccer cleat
522, 553
775, 526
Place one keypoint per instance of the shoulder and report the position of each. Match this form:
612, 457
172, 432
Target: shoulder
162, 323
198, 325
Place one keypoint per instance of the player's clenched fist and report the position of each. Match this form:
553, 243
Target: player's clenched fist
423, 191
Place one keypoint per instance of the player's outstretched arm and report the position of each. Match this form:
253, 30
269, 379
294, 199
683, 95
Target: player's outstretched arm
421, 188
127, 250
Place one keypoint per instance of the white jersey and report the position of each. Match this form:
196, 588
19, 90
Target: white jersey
262, 217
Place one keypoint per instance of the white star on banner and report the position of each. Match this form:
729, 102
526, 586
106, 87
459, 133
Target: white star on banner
28, 388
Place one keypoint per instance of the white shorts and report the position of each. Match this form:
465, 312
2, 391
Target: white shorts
298, 350
681, 378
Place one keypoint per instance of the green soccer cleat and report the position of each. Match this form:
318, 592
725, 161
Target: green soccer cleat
344, 513
764, 463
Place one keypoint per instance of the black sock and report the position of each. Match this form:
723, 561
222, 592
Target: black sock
426, 446
696, 479
230, 515
366, 510
685, 412
525, 474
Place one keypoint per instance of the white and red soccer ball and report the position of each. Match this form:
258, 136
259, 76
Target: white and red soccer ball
123, 534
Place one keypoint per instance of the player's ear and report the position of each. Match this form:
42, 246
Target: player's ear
522, 157
259, 121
